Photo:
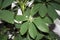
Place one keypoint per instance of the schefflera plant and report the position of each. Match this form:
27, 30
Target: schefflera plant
32, 27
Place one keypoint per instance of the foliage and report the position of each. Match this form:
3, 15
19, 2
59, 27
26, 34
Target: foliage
32, 27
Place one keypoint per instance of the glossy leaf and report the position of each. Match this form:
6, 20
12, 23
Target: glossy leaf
7, 16
24, 28
32, 30
52, 13
6, 3
41, 25
43, 10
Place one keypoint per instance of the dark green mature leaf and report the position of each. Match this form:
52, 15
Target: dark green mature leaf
41, 25
52, 13
55, 5
24, 28
43, 10
0, 3
35, 9
55, 36
57, 1
32, 30
7, 16
6, 3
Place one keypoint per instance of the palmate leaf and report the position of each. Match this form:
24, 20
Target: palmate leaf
41, 25
7, 16
32, 30
6, 3
24, 28
55, 5
52, 13
43, 10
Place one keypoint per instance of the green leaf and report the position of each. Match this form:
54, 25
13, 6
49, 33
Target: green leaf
18, 37
57, 1
21, 18
27, 12
7, 16
41, 25
55, 5
43, 10
0, 3
6, 3
55, 36
35, 9
32, 30
24, 28
18, 25
39, 36
47, 20
52, 13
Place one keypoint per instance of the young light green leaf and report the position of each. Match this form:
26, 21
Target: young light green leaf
24, 28
52, 13
6, 3
7, 16
43, 10
41, 25
32, 30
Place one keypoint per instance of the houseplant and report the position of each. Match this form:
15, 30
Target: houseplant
32, 24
